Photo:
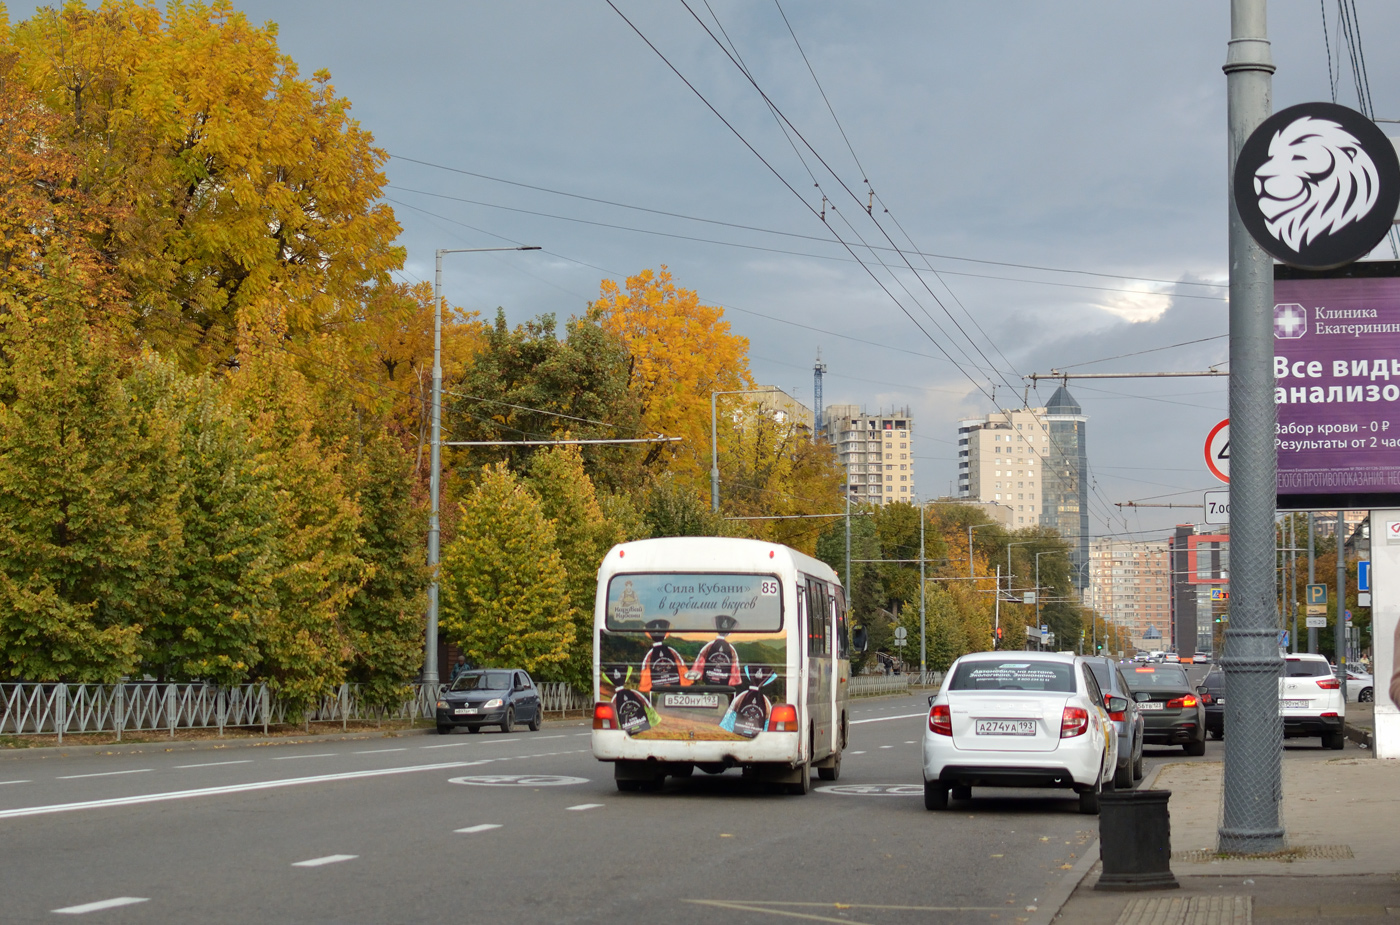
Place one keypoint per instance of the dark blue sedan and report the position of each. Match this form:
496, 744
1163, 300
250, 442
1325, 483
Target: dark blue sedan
490, 697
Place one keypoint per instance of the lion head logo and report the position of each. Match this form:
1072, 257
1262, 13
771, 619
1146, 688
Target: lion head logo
1317, 180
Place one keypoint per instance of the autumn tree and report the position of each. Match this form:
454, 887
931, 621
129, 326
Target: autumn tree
228, 176
505, 598
678, 352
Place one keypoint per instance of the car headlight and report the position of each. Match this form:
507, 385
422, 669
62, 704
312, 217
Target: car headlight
492, 703
442, 704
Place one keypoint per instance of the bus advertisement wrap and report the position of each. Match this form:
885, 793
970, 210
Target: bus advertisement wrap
693, 656
1337, 386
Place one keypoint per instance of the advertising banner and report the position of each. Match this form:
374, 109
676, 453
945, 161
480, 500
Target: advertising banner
1337, 386
693, 656
1385, 633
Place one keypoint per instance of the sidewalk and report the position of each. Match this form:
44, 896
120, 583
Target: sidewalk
1342, 818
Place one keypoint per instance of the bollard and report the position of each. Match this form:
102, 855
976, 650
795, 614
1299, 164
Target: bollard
1135, 843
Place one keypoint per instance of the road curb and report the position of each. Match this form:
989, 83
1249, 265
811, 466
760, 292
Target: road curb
1358, 734
1055, 900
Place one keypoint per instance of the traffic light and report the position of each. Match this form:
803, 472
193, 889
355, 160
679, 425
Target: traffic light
1098, 648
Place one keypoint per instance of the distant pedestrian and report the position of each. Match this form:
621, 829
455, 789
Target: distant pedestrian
459, 669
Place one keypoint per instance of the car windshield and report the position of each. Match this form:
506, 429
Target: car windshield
483, 681
1305, 668
1158, 677
1013, 675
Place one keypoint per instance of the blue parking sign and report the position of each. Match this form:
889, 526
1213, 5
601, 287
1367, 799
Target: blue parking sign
1363, 575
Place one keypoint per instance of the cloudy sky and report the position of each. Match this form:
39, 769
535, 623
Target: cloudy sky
1061, 168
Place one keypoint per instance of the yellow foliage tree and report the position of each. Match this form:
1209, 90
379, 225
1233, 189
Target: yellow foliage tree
679, 351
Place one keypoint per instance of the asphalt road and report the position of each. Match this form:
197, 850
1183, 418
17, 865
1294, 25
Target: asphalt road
515, 828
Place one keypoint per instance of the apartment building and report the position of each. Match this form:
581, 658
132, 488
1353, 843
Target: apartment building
1130, 585
876, 451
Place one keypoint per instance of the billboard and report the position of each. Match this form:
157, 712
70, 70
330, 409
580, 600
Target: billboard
1385, 631
1337, 386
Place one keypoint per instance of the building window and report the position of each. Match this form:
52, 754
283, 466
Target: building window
904, 478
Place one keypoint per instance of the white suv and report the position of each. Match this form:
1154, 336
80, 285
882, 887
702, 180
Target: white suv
1310, 700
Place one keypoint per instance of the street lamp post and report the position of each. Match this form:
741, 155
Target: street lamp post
1037, 591
430, 636
714, 440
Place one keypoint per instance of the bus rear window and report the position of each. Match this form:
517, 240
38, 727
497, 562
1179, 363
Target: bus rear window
694, 602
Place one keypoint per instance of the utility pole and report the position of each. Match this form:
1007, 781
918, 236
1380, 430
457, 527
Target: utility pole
996, 624
1291, 531
1341, 627
1312, 578
923, 624
1253, 784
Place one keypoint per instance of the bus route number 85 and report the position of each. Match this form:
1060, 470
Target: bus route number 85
768, 587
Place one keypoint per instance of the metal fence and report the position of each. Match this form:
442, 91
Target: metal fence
875, 685
68, 709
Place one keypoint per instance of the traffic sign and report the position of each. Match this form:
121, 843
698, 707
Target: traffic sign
1217, 504
1219, 594
1218, 450
900, 635
1027, 597
1316, 622
1316, 599
1363, 575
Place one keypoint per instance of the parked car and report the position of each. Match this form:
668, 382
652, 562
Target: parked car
1172, 658
1173, 712
1360, 687
490, 697
1212, 693
1310, 699
1020, 719
1128, 723
1202, 658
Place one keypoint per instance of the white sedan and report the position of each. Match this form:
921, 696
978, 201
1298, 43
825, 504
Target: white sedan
1360, 687
1019, 719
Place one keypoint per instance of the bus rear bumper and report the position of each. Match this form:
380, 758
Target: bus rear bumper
767, 748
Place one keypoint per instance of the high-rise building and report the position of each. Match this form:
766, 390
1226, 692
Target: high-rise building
783, 407
1034, 461
1130, 585
875, 450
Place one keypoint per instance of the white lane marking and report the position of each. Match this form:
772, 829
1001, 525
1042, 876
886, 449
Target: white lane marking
380, 751
484, 827
4, 782
448, 745
102, 904
106, 774
542, 738
230, 788
881, 719
582, 806
294, 757
857, 753
583, 733
213, 764
328, 859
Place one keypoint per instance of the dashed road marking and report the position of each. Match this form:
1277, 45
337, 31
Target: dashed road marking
102, 904
857, 753
484, 827
106, 774
583, 733
380, 751
213, 764
4, 782
293, 757
881, 719
450, 744
583, 806
887, 746
328, 859
542, 738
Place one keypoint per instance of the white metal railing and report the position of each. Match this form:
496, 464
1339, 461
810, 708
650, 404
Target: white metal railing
874, 685
68, 709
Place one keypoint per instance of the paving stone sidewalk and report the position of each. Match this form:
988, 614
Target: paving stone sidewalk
1342, 817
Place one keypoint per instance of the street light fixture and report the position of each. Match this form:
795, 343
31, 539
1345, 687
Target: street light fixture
714, 440
430, 636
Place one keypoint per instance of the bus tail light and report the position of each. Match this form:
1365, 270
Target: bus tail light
940, 720
1074, 722
783, 718
604, 716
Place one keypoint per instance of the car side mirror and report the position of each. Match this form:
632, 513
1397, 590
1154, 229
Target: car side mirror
1116, 704
1142, 696
860, 639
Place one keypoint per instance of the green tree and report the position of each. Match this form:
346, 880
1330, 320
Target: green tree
221, 588
383, 621
674, 510
89, 526
505, 598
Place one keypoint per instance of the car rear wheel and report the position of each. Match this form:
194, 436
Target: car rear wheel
508, 724
1089, 802
1123, 777
1137, 766
1196, 747
935, 795
535, 722
1334, 740
804, 782
1367, 695
832, 772
1217, 734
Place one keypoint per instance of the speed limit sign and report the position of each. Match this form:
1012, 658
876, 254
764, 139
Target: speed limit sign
1218, 450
